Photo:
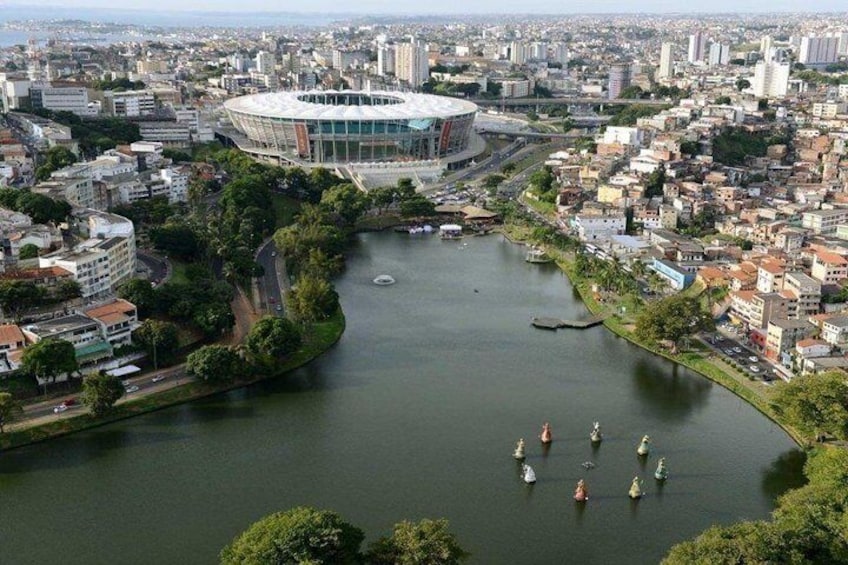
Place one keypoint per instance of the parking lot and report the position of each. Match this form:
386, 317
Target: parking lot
729, 342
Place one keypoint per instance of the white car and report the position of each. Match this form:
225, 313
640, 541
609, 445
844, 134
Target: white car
754, 369
59, 409
753, 358
159, 378
133, 388
737, 350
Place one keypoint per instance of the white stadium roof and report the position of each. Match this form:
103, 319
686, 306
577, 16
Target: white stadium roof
411, 106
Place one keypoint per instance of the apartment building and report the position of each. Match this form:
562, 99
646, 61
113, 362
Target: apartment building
824, 222
829, 268
129, 104
783, 335
807, 293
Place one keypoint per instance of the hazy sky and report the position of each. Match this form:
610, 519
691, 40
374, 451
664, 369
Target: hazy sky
453, 6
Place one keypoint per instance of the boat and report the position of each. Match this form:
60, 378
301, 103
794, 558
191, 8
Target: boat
427, 228
519, 450
661, 473
581, 494
528, 474
450, 231
635, 491
415, 230
644, 448
595, 435
536, 255
384, 280
547, 435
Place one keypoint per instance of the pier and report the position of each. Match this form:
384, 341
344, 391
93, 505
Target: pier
557, 323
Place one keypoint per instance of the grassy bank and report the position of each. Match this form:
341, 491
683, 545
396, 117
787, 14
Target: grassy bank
699, 361
319, 338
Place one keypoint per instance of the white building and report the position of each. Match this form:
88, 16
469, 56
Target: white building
818, 51
63, 99
386, 59
697, 47
176, 178
518, 53
623, 135
411, 63
131, 103
771, 79
719, 54
666, 69
265, 62
619, 79
592, 228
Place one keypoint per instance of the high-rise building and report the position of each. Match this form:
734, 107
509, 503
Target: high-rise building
518, 53
771, 79
560, 54
265, 62
385, 59
719, 54
619, 79
290, 63
697, 47
818, 51
666, 63
411, 63
539, 51
766, 47
842, 50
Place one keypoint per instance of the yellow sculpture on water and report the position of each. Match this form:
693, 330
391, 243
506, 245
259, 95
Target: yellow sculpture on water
635, 489
519, 450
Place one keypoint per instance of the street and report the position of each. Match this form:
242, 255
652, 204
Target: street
270, 293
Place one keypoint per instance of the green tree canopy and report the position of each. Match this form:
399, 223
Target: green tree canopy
672, 319
10, 410
177, 239
49, 358
273, 338
816, 404
28, 251
215, 363
100, 392
427, 542
311, 300
345, 201
160, 339
417, 206
300, 535
16, 297
140, 293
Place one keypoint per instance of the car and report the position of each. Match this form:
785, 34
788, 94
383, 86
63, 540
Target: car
70, 402
728, 352
754, 369
719, 337
279, 307
125, 383
132, 388
753, 358
767, 378
737, 350
158, 379
273, 254
59, 409
272, 300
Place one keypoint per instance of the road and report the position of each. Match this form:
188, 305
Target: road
271, 282
731, 348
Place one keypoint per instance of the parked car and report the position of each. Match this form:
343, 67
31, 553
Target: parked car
279, 307
728, 352
754, 369
737, 350
273, 254
753, 358
160, 378
133, 388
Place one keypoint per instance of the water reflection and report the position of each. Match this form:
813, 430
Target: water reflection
670, 397
785, 473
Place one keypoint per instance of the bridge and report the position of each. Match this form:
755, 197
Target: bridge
568, 100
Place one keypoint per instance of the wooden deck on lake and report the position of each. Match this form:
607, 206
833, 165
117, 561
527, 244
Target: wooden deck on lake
556, 323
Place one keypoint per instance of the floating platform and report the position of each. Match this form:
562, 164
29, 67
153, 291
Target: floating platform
557, 323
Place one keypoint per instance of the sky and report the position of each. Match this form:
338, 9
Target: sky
444, 7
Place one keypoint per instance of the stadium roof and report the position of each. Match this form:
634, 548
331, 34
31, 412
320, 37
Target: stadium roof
410, 106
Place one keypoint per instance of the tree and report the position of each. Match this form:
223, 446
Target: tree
49, 358
542, 180
742, 84
273, 338
345, 201
745, 542
140, 293
67, 289
300, 535
28, 251
722, 100
161, 339
311, 300
57, 157
177, 239
417, 206
672, 319
655, 182
383, 197
100, 392
426, 543
16, 297
10, 410
816, 404
215, 363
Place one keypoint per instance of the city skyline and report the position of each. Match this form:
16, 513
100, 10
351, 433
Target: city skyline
444, 7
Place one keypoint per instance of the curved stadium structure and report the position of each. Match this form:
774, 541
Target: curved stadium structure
353, 127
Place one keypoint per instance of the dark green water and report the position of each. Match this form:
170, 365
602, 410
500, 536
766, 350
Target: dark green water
415, 414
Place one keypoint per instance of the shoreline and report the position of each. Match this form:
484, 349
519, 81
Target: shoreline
188, 392
719, 377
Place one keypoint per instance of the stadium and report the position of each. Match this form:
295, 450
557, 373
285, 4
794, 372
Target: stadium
353, 127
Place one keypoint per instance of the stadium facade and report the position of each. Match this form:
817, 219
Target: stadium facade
352, 126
